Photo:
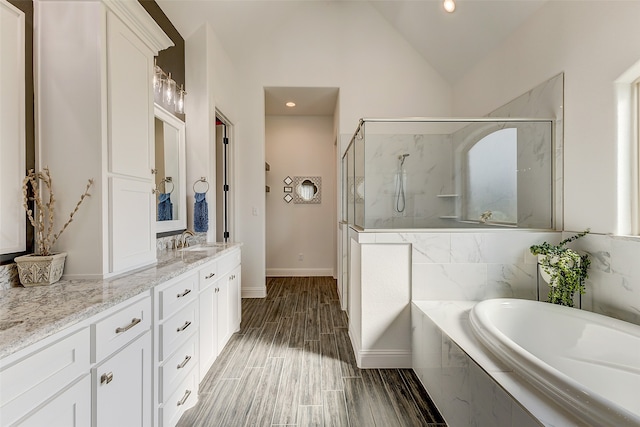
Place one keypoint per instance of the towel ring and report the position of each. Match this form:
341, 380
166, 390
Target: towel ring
164, 185
203, 179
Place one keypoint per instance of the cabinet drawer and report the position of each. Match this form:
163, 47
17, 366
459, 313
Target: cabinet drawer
176, 368
177, 295
185, 396
36, 378
175, 330
229, 262
208, 275
118, 329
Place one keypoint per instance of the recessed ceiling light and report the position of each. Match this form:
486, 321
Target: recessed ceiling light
290, 104
449, 5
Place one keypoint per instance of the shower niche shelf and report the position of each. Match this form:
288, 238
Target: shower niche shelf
449, 217
447, 195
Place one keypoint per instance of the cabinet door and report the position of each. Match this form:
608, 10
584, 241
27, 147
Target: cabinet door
223, 327
132, 224
122, 386
130, 101
72, 407
208, 328
235, 300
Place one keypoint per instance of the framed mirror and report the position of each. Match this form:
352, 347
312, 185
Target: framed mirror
171, 202
307, 189
12, 129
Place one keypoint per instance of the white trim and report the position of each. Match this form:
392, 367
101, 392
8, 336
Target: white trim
299, 272
384, 359
139, 21
625, 88
380, 359
257, 292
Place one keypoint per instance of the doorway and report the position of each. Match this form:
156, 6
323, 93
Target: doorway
224, 174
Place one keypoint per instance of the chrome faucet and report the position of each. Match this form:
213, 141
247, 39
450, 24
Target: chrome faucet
183, 240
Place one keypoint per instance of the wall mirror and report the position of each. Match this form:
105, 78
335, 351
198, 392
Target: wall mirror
171, 202
307, 189
12, 129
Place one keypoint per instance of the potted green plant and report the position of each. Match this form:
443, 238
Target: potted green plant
563, 269
43, 267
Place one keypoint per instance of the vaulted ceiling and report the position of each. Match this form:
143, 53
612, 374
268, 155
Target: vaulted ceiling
450, 43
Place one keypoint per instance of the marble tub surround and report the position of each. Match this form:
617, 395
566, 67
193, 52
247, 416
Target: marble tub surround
468, 384
28, 315
477, 265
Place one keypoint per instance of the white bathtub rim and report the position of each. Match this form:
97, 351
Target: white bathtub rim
591, 408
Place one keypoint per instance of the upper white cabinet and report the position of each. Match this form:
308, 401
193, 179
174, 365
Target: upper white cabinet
12, 129
94, 119
131, 137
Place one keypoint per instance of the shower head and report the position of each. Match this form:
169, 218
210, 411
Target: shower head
401, 157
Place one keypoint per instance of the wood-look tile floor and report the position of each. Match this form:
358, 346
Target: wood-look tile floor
292, 363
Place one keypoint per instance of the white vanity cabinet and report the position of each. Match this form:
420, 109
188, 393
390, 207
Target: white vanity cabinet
219, 306
95, 118
176, 347
121, 377
96, 373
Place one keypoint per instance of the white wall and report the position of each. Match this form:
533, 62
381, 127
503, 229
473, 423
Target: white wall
300, 146
594, 43
337, 44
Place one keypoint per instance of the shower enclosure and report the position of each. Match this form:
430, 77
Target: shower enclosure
421, 173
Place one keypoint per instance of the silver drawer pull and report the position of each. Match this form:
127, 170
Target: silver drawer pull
106, 378
184, 362
185, 326
209, 276
133, 323
186, 292
184, 398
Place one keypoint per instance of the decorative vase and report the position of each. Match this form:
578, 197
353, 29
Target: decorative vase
36, 270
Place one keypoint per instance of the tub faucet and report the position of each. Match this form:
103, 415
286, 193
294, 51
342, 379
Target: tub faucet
183, 241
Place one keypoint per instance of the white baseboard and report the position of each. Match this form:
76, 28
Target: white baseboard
379, 359
384, 359
257, 292
299, 272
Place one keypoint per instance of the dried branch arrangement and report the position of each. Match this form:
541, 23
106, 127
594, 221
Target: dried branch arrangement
44, 220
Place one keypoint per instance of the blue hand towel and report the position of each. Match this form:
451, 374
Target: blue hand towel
165, 207
200, 213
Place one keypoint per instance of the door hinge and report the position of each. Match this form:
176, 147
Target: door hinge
226, 235
225, 187
225, 140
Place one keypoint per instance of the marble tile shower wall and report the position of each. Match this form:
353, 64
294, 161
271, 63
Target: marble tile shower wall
428, 172
478, 266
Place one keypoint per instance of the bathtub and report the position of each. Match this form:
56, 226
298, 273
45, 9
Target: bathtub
587, 362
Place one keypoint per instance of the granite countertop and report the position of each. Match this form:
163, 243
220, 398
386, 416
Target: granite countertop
28, 315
